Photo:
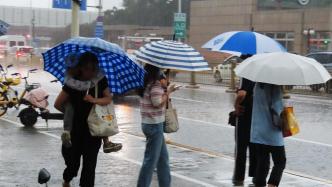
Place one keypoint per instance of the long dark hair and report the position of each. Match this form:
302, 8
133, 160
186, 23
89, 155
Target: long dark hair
152, 74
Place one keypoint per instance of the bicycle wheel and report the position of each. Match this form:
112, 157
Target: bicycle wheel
3, 107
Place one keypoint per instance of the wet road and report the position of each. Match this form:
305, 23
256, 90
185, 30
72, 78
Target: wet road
202, 150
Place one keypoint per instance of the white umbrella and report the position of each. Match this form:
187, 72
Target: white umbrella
283, 69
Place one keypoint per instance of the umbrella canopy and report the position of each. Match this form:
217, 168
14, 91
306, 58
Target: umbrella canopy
122, 73
283, 69
243, 43
172, 55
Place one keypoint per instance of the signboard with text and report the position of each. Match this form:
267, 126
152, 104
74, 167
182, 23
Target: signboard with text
66, 4
99, 32
180, 25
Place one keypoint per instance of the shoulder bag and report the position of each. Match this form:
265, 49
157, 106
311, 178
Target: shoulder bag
102, 120
171, 122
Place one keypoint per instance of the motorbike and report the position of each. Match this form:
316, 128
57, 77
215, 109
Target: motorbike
37, 102
33, 97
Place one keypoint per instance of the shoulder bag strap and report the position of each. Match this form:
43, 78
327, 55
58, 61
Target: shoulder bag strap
96, 90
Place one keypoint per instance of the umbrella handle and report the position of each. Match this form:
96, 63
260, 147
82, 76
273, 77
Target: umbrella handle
168, 72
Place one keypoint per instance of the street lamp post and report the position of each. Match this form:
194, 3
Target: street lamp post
309, 33
75, 20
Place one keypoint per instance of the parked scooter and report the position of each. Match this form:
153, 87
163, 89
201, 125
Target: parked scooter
37, 102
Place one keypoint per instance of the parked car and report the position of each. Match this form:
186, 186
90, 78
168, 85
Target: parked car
222, 72
23, 53
9, 41
325, 58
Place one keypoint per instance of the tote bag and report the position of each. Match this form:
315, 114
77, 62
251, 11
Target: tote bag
102, 120
171, 122
290, 124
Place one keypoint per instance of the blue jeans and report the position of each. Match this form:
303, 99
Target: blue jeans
155, 156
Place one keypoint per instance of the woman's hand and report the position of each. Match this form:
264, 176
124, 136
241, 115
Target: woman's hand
239, 110
171, 89
105, 100
90, 99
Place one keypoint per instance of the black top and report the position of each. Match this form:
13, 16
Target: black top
248, 86
82, 108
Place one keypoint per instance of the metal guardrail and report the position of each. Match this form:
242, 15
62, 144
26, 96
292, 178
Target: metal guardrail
208, 78
205, 77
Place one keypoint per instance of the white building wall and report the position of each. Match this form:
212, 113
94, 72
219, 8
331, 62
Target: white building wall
21, 16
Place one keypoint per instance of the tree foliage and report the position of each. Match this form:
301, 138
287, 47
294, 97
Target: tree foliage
135, 12
62, 34
145, 12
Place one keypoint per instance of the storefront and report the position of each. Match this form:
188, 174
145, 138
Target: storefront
292, 4
302, 26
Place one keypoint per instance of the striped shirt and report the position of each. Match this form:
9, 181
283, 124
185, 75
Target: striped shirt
151, 110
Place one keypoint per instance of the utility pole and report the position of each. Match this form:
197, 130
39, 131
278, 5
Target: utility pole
100, 8
33, 24
193, 83
179, 11
75, 21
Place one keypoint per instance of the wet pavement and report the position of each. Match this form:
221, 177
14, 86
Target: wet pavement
24, 151
201, 153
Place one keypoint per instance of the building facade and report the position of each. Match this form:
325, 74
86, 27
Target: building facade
46, 21
302, 26
43, 17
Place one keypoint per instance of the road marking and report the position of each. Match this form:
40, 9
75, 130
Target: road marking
200, 122
206, 122
191, 100
230, 127
193, 149
309, 141
231, 159
189, 179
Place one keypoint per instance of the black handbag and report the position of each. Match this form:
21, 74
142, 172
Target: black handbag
232, 119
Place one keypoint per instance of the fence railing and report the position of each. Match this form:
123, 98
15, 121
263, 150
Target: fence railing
223, 79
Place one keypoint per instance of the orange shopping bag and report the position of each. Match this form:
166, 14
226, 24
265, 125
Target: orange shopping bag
290, 125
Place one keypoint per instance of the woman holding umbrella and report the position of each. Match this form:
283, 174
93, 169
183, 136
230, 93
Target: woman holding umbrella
155, 96
121, 75
267, 136
271, 71
165, 55
83, 144
246, 44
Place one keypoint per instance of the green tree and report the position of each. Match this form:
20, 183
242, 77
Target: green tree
145, 12
62, 34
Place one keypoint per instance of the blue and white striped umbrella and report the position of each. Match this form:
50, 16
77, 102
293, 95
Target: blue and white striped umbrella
172, 55
243, 43
122, 73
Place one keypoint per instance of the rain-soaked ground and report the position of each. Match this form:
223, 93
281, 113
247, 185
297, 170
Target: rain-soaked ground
201, 153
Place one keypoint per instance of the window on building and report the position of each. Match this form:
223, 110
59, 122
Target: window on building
12, 43
320, 41
284, 38
20, 43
